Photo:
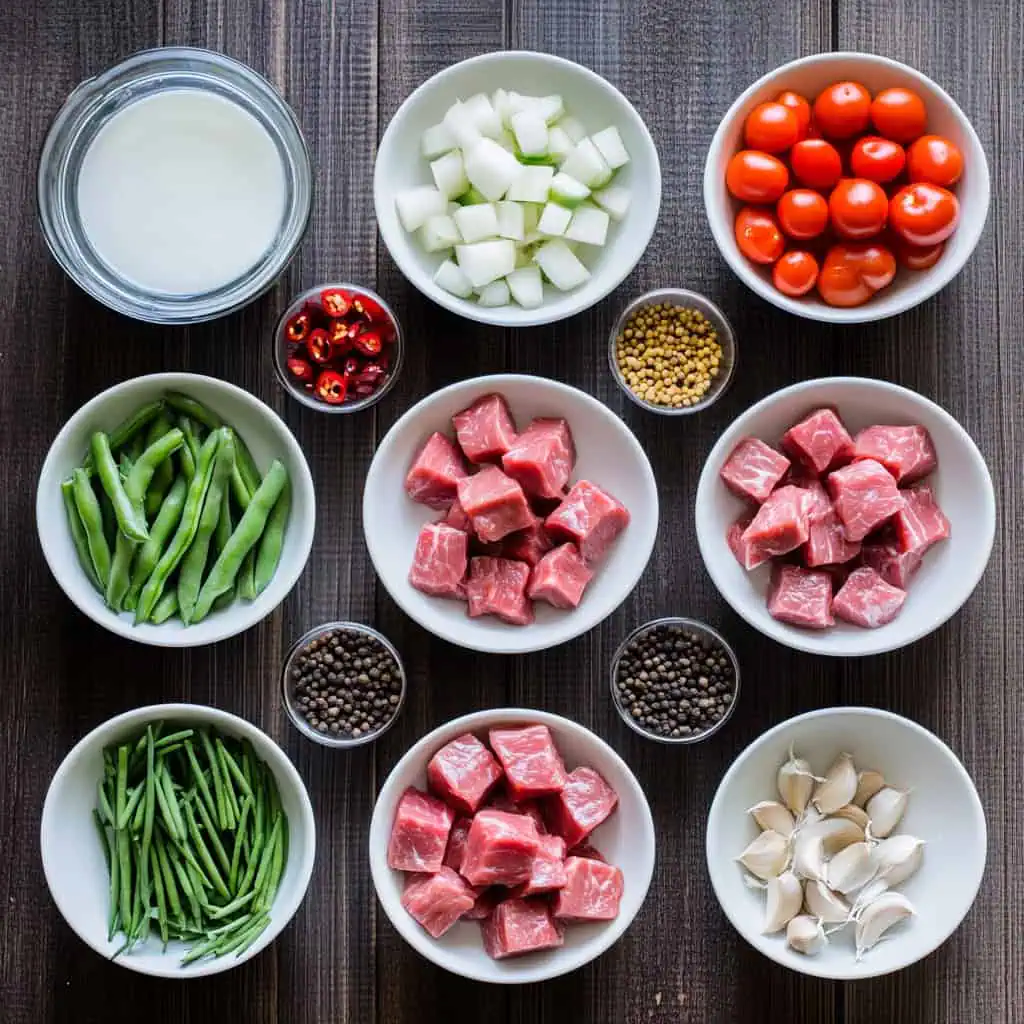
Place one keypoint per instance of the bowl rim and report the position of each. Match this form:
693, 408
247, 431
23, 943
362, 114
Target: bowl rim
718, 809
380, 830
471, 310
282, 765
870, 311
814, 642
114, 622
495, 382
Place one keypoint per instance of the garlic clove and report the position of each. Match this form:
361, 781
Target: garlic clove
784, 898
824, 904
772, 816
885, 809
850, 868
767, 856
796, 782
851, 812
869, 894
878, 917
806, 935
835, 834
897, 858
808, 856
869, 782
839, 786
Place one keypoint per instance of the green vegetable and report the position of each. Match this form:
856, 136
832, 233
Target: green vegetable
78, 537
163, 477
92, 523
145, 466
272, 542
150, 552
166, 608
120, 572
130, 519
127, 429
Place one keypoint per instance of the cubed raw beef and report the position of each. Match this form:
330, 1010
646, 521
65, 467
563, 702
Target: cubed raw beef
542, 458
437, 901
457, 843
827, 543
865, 496
920, 523
457, 519
781, 525
548, 870
749, 557
865, 599
560, 577
818, 441
533, 766
801, 597
590, 517
439, 564
753, 469
500, 848
433, 478
419, 835
485, 430
497, 586
894, 566
495, 504
520, 926
486, 901
589, 851
819, 504
501, 801
528, 545
584, 802
463, 772
592, 891
906, 452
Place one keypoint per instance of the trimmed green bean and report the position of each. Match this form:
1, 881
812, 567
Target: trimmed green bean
145, 466
205, 857
232, 766
271, 544
246, 578
161, 896
229, 788
78, 537
193, 409
163, 476
130, 519
201, 785
236, 854
214, 837
150, 812
125, 876
115, 885
218, 786
170, 886
239, 490
120, 578
131, 807
166, 608
149, 554
128, 428
92, 522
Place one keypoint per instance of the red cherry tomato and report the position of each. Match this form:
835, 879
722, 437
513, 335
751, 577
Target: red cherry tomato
851, 274
898, 114
918, 257
755, 177
924, 214
877, 159
842, 110
816, 163
795, 273
936, 160
802, 213
771, 128
758, 235
800, 107
858, 208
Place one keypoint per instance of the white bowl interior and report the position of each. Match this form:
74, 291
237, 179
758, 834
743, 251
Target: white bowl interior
589, 97
607, 453
267, 437
943, 810
962, 485
809, 76
626, 839
73, 858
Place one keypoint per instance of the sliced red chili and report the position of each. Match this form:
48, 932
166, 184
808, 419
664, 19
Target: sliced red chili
371, 373
297, 329
369, 343
300, 369
352, 366
319, 345
341, 333
335, 302
331, 387
369, 308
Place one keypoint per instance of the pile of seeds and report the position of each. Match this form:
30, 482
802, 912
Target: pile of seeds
669, 355
345, 684
674, 683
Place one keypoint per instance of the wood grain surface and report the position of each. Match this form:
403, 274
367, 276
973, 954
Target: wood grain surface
345, 67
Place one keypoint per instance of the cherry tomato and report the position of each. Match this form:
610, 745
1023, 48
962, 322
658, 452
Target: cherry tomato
918, 257
335, 302
755, 177
802, 213
923, 213
842, 110
799, 106
758, 235
297, 329
898, 114
771, 128
851, 274
877, 159
319, 346
936, 160
331, 387
858, 208
816, 163
795, 273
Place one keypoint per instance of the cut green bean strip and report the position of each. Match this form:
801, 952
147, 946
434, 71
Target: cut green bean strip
122, 787
105, 808
201, 784
125, 876
218, 785
166, 814
241, 493
233, 769
115, 885
161, 896
173, 737
78, 536
102, 830
163, 778
186, 885
229, 787
206, 859
268, 554
249, 936
150, 812
163, 526
91, 517
213, 836
167, 871
246, 579
236, 855
268, 855
232, 907
130, 519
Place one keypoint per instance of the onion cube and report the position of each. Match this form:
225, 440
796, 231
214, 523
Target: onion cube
560, 265
450, 174
526, 286
511, 220
531, 184
484, 262
554, 220
531, 132
451, 278
477, 222
439, 233
495, 294
589, 225
609, 145
437, 140
586, 164
491, 169
614, 200
416, 205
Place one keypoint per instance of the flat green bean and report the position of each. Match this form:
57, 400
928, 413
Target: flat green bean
194, 409
162, 528
245, 581
78, 537
163, 476
128, 428
92, 523
271, 544
145, 467
166, 608
130, 519
120, 579
239, 490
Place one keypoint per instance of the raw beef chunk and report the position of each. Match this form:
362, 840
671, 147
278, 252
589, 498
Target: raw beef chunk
533, 766
747, 556
437, 901
528, 545
894, 566
560, 577
906, 452
592, 891
497, 586
520, 926
463, 772
420, 833
434, 476
501, 801
590, 517
439, 564
486, 429
753, 469
865, 599
500, 848
457, 519
865, 496
584, 802
781, 524
457, 843
486, 901
818, 441
920, 523
548, 870
495, 504
827, 543
542, 458
589, 851
801, 597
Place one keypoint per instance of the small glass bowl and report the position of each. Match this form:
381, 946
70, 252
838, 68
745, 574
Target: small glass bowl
726, 338
280, 349
92, 104
327, 739
710, 637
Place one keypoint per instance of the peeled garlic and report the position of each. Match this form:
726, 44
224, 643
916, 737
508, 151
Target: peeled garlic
784, 898
878, 917
850, 868
767, 856
835, 833
808, 856
885, 809
869, 782
772, 816
897, 858
869, 894
795, 782
838, 787
824, 904
851, 812
806, 935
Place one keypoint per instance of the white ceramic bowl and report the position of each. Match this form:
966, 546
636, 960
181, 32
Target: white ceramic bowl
589, 97
626, 839
268, 438
943, 810
808, 76
73, 858
607, 453
962, 486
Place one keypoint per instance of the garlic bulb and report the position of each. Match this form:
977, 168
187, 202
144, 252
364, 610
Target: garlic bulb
806, 935
767, 856
835, 833
850, 868
795, 782
851, 812
869, 782
878, 917
897, 858
838, 787
808, 856
885, 809
824, 904
772, 816
784, 898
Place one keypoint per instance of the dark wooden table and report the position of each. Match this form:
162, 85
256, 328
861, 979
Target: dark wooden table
345, 67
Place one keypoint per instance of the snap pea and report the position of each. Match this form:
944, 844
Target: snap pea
268, 554
149, 554
128, 428
146, 465
120, 578
78, 537
92, 523
166, 608
130, 519
163, 476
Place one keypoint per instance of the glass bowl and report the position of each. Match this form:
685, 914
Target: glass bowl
709, 637
92, 105
726, 338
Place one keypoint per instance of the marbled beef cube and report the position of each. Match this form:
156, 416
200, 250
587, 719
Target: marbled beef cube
753, 469
560, 577
497, 586
456, 848
437, 901
827, 543
463, 772
548, 870
485, 430
457, 519
892, 564
801, 597
542, 457
920, 523
780, 526
501, 801
520, 926
585, 801
865, 496
486, 900
589, 517
533, 766
434, 475
419, 835
500, 848
529, 545
906, 452
865, 599
592, 891
818, 441
440, 560
750, 557
495, 504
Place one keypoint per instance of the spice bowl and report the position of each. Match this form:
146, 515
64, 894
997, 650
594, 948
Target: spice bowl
724, 337
339, 649
717, 683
